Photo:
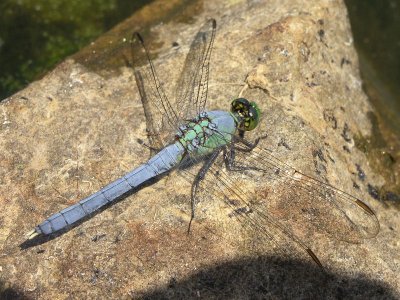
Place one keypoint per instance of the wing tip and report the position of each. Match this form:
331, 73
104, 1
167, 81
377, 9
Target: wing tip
365, 207
314, 258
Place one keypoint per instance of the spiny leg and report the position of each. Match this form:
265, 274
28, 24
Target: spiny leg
153, 150
156, 149
199, 177
229, 156
249, 146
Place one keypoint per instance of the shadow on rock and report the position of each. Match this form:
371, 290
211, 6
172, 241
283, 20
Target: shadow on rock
10, 293
270, 277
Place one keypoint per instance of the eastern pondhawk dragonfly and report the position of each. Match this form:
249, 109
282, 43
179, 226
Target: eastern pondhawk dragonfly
189, 135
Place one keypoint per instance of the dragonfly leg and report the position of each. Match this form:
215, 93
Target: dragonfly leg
153, 149
249, 146
141, 142
229, 155
230, 164
199, 177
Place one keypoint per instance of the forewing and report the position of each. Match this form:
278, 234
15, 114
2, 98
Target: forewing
192, 86
161, 118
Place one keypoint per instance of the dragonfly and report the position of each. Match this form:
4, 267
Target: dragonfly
186, 135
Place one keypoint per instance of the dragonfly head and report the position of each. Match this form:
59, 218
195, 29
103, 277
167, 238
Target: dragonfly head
246, 112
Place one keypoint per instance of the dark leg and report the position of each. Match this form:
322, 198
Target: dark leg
249, 145
199, 177
229, 156
153, 150
241, 134
229, 160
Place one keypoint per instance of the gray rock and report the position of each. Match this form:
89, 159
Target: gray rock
78, 128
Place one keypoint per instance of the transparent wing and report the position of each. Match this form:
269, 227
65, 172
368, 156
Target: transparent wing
306, 200
281, 207
234, 202
192, 86
191, 90
161, 118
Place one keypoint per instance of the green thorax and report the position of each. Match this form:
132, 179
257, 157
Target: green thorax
207, 132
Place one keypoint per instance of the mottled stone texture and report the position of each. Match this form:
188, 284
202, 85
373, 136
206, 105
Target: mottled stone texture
78, 128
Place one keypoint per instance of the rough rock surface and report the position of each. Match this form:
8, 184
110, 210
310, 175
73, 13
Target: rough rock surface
80, 127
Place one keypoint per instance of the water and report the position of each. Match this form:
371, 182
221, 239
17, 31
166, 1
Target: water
36, 34
376, 31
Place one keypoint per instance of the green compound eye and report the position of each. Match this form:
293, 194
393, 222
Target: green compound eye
247, 112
